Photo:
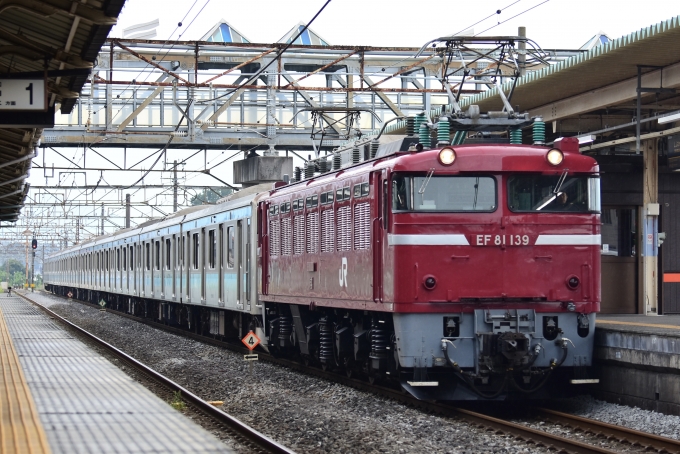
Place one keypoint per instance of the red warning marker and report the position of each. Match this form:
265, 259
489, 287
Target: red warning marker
251, 340
69, 294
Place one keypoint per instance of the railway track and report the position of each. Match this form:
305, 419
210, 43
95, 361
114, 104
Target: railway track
540, 438
251, 437
645, 441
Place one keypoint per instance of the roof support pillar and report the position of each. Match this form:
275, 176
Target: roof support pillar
648, 252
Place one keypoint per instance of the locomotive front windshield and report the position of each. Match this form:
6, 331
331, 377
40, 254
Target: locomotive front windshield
558, 193
426, 192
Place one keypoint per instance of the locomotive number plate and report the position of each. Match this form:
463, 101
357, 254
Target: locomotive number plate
500, 240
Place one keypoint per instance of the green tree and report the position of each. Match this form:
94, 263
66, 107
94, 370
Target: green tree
15, 268
18, 279
209, 195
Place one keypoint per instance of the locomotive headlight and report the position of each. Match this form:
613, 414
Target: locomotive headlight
555, 157
447, 156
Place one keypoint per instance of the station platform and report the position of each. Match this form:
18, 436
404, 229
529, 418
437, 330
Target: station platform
58, 395
637, 359
659, 324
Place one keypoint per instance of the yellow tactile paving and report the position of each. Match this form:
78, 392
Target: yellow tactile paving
649, 325
20, 427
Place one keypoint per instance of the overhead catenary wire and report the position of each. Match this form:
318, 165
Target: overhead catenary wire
498, 11
174, 42
510, 18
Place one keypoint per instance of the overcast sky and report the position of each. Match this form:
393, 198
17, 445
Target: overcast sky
565, 24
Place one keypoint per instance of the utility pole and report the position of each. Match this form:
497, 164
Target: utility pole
127, 211
102, 230
33, 269
77, 231
26, 234
174, 187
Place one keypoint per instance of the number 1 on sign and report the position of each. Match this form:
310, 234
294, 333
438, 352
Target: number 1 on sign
30, 93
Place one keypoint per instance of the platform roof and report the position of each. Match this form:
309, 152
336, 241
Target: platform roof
602, 66
36, 36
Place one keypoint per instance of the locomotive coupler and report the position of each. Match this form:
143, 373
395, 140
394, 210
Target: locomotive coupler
514, 346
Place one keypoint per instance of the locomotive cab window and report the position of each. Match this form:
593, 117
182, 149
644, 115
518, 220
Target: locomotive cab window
553, 193
433, 193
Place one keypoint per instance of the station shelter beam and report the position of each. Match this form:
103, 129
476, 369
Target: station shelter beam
607, 96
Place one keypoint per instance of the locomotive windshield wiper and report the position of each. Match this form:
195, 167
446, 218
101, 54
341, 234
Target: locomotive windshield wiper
421, 191
556, 190
474, 203
560, 182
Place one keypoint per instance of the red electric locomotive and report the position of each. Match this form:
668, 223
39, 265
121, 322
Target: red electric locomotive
464, 272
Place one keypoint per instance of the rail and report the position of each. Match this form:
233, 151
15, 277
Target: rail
622, 434
518, 431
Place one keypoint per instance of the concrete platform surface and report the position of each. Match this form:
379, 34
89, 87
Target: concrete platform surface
646, 324
85, 403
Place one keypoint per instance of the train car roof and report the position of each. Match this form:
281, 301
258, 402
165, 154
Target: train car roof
470, 158
236, 200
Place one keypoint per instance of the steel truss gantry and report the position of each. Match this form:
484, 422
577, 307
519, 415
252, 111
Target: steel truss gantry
167, 118
192, 94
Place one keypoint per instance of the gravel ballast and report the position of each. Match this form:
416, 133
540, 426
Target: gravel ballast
312, 415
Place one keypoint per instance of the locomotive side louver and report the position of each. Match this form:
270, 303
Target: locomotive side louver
313, 233
285, 237
362, 226
275, 238
344, 229
327, 231
299, 239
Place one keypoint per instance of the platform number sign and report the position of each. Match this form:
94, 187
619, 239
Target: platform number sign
23, 94
251, 340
